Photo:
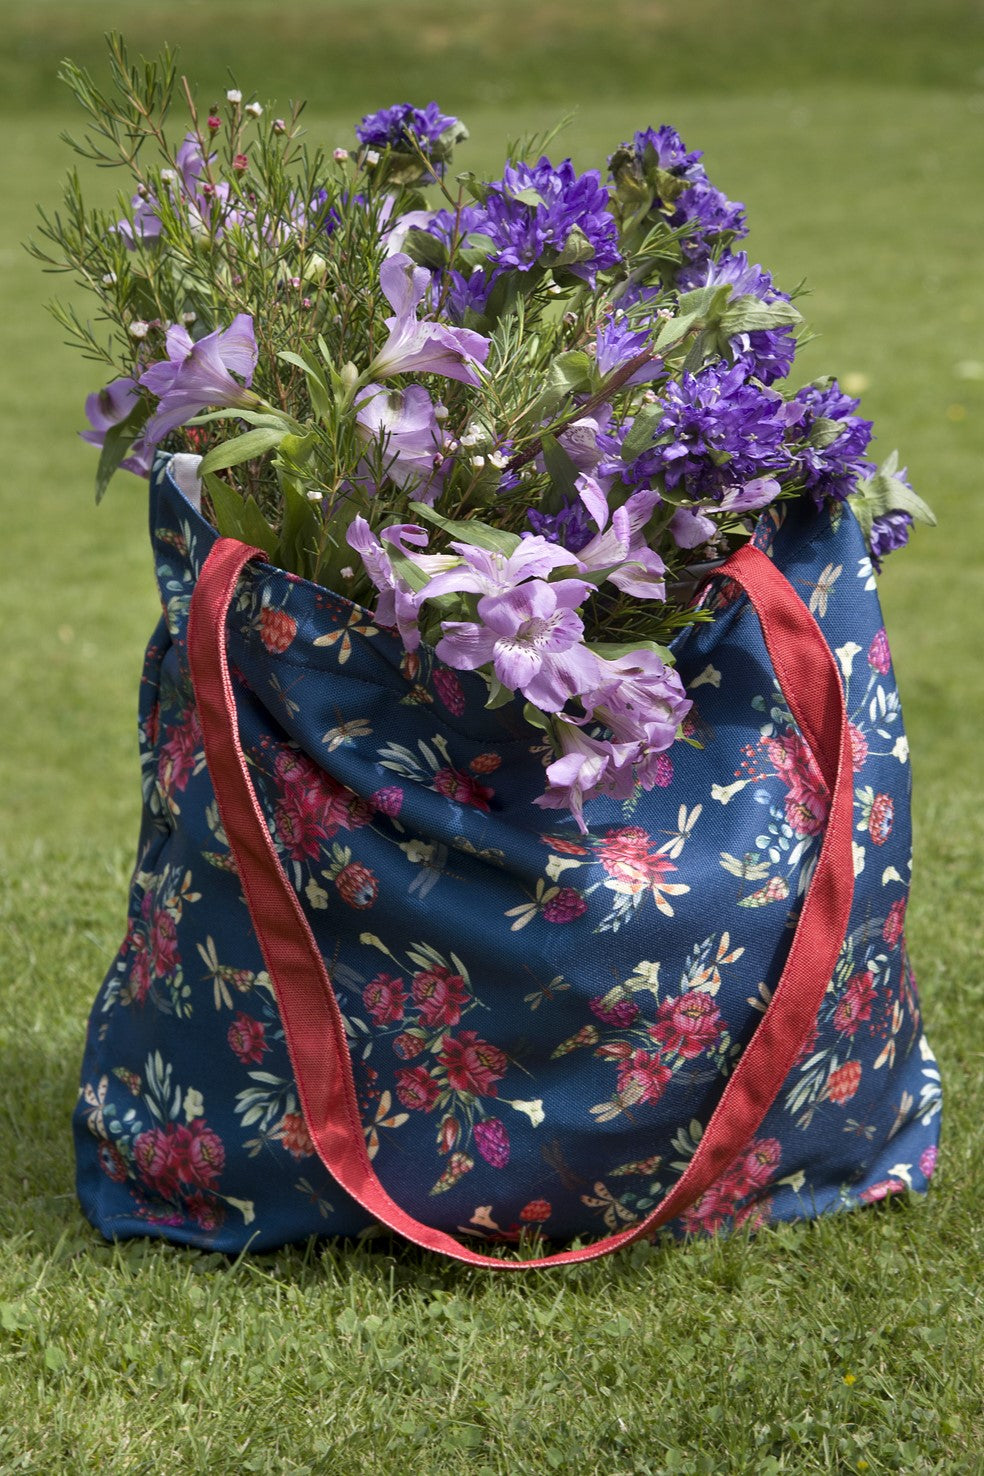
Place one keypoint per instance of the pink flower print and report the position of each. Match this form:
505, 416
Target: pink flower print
247, 1039
196, 1153
409, 1043
536, 1211
163, 943
712, 1210
464, 789
388, 801
448, 1134
139, 968
299, 824
879, 656
448, 688
894, 923
112, 1162
927, 1160
416, 1088
292, 1132
859, 747
178, 752
384, 999
492, 1141
565, 907
755, 1168
688, 1024
627, 856
641, 1078
277, 629
881, 819
343, 808
855, 1003
881, 1190
439, 995
843, 1082
662, 770
621, 1014
808, 798
152, 1156
473, 1065
207, 1213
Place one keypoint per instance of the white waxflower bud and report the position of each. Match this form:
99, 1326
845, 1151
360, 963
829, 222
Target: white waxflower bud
138, 328
234, 95
372, 156
315, 496
340, 156
478, 462
110, 279
254, 109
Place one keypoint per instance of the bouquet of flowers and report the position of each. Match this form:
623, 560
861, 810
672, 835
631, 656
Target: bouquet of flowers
522, 417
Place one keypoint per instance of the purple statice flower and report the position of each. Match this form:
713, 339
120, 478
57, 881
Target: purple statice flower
532, 638
422, 347
699, 210
526, 234
197, 375
719, 430
402, 126
570, 528
829, 471
707, 214
889, 532
664, 148
109, 407
406, 424
587, 769
617, 344
768, 351
532, 216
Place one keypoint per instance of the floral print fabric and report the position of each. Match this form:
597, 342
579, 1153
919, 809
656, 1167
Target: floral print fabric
541, 1022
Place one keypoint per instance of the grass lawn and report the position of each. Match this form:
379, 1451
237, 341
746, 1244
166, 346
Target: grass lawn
854, 134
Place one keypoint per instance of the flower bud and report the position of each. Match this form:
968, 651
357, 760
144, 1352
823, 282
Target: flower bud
234, 95
214, 123
138, 328
340, 156
254, 109
279, 126
240, 163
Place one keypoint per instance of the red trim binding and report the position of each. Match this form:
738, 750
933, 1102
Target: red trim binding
312, 1022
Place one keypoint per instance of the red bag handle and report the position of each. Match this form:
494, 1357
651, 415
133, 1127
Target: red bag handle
311, 1018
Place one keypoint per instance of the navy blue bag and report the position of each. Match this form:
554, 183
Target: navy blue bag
353, 941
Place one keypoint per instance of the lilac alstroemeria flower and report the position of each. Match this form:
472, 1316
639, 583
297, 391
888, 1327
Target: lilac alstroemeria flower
690, 527
639, 697
424, 347
398, 604
109, 407
532, 638
198, 375
635, 568
486, 571
587, 768
405, 422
